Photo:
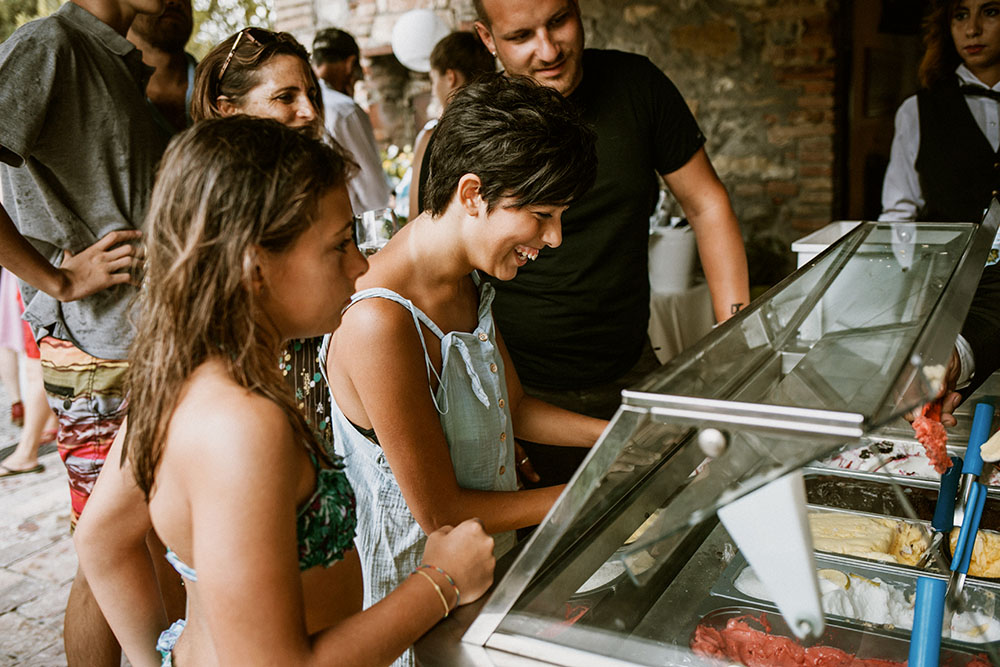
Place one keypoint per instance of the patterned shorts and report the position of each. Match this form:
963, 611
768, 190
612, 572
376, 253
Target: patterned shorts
88, 396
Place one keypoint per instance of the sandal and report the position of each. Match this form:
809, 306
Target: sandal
10, 472
17, 413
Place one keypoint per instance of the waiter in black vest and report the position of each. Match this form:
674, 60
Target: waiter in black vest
945, 164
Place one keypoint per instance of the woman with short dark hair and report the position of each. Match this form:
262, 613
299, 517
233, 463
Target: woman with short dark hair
426, 401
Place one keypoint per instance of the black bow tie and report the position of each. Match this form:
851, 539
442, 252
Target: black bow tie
979, 91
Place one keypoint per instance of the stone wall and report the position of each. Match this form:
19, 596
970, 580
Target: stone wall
760, 76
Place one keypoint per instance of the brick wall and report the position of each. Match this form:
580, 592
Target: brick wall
760, 76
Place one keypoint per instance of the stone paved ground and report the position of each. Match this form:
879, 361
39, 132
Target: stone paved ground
37, 561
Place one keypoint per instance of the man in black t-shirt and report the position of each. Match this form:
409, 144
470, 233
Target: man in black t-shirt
575, 320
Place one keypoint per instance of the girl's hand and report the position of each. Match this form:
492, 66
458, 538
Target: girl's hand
466, 553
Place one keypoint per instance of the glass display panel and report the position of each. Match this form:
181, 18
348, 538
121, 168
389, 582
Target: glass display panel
838, 334
631, 565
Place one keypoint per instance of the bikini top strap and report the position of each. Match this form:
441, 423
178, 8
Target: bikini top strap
182, 569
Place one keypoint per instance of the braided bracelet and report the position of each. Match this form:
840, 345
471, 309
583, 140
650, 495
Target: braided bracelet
436, 588
458, 595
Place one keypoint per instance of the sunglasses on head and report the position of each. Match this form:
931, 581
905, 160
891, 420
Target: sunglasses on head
259, 36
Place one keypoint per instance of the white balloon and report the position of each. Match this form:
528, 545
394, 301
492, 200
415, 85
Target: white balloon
414, 36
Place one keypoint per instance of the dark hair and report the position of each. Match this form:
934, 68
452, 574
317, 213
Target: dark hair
333, 45
225, 187
940, 53
463, 52
242, 71
523, 140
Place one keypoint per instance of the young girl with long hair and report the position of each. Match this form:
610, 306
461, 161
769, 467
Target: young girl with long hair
249, 244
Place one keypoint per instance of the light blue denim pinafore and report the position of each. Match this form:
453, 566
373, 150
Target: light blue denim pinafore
472, 402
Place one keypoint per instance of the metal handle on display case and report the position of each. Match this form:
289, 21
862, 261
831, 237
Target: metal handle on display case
698, 411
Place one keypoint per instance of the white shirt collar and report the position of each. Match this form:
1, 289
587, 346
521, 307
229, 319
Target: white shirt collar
965, 75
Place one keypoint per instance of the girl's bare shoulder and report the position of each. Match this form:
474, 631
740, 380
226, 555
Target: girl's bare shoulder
215, 414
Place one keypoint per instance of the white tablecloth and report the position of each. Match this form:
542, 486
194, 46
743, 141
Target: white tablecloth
677, 320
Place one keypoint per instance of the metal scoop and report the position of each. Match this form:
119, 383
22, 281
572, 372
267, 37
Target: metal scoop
970, 508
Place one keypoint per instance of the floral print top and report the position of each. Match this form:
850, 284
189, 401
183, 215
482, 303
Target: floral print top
327, 522
325, 525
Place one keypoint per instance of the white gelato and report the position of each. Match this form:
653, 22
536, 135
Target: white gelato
907, 459
879, 603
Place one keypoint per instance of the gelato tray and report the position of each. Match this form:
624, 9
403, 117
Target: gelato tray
871, 598
754, 636
858, 514
903, 457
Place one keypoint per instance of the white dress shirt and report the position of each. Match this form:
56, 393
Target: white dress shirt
348, 123
902, 198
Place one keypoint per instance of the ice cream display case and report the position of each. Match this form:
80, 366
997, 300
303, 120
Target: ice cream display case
633, 565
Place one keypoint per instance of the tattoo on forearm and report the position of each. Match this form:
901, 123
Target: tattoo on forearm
735, 308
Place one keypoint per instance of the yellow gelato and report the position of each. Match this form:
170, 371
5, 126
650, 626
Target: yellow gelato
868, 537
985, 554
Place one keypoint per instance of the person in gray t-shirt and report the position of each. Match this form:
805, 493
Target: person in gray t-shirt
78, 154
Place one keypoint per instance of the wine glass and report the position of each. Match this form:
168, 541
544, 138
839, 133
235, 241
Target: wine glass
373, 229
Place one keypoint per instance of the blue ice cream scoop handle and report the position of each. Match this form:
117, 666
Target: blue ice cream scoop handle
944, 510
982, 421
970, 528
928, 617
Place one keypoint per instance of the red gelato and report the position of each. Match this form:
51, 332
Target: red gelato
758, 648
932, 436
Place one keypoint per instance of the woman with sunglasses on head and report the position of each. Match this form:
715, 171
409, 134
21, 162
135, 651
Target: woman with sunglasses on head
258, 72
246, 219
426, 401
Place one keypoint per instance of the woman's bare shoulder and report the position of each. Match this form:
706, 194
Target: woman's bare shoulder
375, 318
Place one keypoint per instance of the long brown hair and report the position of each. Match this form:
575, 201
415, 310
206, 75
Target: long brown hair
225, 187
940, 53
256, 46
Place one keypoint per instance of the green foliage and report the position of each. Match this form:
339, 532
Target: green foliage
214, 20
15, 13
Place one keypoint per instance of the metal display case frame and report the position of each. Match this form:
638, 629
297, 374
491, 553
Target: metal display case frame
840, 348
